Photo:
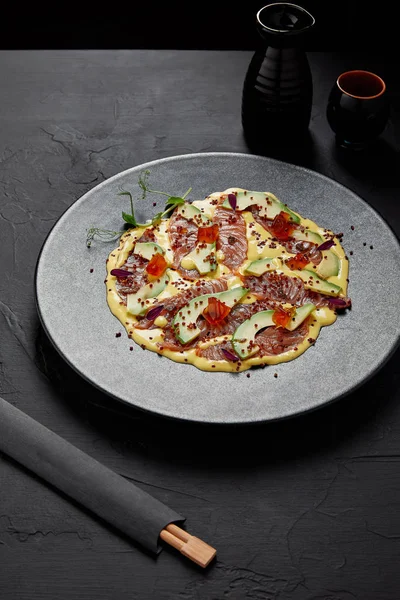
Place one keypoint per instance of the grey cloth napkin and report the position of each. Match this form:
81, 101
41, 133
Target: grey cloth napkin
105, 493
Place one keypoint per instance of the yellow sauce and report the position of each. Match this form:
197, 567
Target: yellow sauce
260, 245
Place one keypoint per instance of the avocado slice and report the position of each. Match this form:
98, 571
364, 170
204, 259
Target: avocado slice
184, 322
301, 314
147, 249
314, 282
202, 257
258, 267
329, 265
192, 213
307, 235
270, 205
136, 303
243, 340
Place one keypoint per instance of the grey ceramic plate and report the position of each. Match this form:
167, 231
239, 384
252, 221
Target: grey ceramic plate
72, 302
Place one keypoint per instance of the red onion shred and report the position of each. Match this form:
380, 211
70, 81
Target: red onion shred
232, 201
326, 245
154, 312
121, 273
339, 302
230, 356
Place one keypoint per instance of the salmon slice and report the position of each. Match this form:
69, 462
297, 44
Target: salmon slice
182, 237
293, 246
276, 340
129, 285
136, 265
173, 304
272, 341
281, 288
232, 240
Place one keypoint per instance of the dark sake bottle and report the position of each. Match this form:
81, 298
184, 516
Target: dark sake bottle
278, 89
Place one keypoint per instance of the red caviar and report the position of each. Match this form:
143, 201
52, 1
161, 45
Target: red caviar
207, 234
299, 261
215, 311
282, 316
156, 265
281, 227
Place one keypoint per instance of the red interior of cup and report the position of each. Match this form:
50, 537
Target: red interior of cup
361, 84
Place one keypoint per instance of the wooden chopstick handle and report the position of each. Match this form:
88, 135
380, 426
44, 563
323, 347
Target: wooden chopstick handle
188, 545
178, 532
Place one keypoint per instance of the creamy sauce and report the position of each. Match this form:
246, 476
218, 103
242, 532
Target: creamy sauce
260, 245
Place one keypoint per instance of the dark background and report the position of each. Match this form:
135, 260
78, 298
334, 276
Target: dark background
340, 25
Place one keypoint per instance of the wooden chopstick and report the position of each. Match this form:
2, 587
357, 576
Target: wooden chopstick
188, 545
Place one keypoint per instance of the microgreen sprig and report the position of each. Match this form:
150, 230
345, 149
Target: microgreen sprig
106, 235
170, 205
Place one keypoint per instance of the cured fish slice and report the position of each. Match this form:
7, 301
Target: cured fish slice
174, 303
281, 288
232, 240
271, 341
182, 235
291, 245
277, 340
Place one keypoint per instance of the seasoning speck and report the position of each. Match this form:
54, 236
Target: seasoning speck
351, 252
131, 348
365, 243
352, 227
91, 270
275, 375
118, 335
248, 375
371, 247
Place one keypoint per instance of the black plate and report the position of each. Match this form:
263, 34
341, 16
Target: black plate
72, 300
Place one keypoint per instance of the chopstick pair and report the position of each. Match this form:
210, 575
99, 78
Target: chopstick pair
104, 492
188, 545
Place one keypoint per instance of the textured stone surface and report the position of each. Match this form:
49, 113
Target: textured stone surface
302, 509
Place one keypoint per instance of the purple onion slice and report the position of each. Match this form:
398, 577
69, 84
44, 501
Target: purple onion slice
154, 312
229, 355
121, 273
339, 302
326, 245
232, 201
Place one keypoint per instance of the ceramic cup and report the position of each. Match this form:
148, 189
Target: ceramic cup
358, 109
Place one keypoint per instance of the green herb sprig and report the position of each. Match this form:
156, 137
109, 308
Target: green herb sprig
170, 205
106, 235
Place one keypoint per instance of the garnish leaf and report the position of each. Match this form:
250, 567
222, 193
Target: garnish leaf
130, 219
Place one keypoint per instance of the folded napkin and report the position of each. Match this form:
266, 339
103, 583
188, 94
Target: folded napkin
105, 493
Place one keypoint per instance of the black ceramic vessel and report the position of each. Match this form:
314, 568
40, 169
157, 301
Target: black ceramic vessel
358, 109
277, 91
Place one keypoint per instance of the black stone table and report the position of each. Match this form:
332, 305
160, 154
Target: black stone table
304, 509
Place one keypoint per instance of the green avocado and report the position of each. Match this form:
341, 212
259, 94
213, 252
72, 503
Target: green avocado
314, 282
184, 322
243, 340
192, 213
147, 249
301, 314
261, 266
307, 235
136, 303
329, 265
269, 204
203, 257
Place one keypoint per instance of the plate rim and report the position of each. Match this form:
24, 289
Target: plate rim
201, 421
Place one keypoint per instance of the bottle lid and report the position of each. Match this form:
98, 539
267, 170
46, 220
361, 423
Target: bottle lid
284, 20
